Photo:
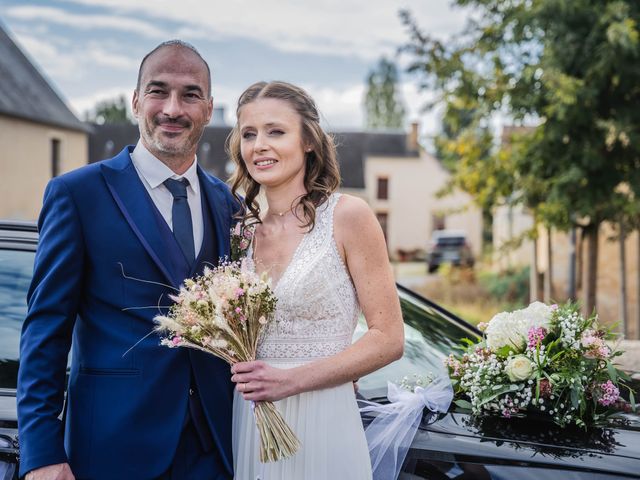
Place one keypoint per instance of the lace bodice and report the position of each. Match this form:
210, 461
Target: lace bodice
317, 308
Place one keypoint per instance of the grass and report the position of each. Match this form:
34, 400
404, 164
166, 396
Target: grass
476, 296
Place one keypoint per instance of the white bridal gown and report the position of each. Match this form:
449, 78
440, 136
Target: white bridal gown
316, 315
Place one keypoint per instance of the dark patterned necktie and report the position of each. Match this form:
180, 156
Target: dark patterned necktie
181, 217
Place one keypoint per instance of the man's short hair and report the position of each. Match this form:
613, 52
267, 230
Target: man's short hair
174, 43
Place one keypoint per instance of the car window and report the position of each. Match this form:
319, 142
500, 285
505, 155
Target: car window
16, 268
430, 336
450, 241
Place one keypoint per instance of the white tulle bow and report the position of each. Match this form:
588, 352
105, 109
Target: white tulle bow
391, 432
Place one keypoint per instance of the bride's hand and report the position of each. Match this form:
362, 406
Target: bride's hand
258, 381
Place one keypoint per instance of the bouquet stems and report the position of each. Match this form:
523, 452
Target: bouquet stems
277, 440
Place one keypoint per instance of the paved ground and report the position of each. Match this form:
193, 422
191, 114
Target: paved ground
414, 274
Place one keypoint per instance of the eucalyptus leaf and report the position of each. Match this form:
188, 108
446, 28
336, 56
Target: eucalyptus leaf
463, 404
498, 390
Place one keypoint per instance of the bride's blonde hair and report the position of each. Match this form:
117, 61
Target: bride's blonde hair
322, 175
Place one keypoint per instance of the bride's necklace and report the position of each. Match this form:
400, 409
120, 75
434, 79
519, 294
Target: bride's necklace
285, 212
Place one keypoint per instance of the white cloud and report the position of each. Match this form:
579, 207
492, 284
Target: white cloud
84, 22
96, 54
365, 28
53, 61
82, 104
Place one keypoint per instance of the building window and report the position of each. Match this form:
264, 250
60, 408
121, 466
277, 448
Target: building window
55, 157
383, 188
383, 219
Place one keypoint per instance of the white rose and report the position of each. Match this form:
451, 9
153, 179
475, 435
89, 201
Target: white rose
505, 329
519, 368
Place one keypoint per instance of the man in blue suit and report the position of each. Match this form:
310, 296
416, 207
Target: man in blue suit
116, 238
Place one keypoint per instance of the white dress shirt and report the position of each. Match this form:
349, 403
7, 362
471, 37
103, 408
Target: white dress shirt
153, 173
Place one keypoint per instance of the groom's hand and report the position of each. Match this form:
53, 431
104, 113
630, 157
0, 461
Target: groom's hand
59, 471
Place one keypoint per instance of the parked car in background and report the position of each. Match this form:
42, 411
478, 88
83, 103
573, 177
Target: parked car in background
17, 250
454, 445
448, 246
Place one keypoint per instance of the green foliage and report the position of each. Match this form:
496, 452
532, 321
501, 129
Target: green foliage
570, 69
111, 111
383, 105
511, 286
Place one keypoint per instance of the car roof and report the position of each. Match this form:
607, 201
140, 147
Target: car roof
449, 233
20, 235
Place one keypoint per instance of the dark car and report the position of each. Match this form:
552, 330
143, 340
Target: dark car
451, 445
448, 246
17, 249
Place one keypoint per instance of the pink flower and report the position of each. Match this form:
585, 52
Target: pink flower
236, 229
454, 364
239, 292
248, 233
176, 340
594, 344
535, 336
554, 307
609, 393
238, 310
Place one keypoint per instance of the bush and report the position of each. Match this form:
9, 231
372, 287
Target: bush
511, 286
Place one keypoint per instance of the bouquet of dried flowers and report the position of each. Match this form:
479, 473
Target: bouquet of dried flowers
545, 358
224, 313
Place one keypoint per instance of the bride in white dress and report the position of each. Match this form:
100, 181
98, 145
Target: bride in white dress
327, 259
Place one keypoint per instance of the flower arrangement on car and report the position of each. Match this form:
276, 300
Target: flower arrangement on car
545, 358
224, 313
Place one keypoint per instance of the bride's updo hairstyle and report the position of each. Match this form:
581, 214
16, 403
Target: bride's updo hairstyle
322, 175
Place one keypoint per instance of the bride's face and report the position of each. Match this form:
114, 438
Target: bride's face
271, 144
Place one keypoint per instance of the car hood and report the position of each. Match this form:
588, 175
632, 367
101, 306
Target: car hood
614, 447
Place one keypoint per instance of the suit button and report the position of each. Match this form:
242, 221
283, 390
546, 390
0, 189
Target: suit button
191, 391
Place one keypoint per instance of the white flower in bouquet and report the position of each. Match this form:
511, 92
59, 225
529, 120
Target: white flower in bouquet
512, 328
518, 368
503, 330
536, 315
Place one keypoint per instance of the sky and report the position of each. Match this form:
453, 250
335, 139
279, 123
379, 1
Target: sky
90, 50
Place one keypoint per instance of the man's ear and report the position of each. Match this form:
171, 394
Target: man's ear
209, 109
134, 103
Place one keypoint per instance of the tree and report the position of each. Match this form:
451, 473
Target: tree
569, 66
109, 111
383, 104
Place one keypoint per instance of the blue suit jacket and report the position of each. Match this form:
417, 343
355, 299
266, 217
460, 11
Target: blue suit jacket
125, 412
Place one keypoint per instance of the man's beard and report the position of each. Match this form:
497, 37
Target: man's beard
168, 148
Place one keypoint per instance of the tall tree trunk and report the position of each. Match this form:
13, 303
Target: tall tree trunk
591, 268
579, 261
638, 285
623, 282
571, 290
548, 278
533, 272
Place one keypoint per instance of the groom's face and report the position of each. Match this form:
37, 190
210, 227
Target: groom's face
173, 104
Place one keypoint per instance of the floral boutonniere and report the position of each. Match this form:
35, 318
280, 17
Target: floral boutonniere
241, 237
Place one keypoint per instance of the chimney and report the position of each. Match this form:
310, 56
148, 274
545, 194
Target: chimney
217, 119
412, 138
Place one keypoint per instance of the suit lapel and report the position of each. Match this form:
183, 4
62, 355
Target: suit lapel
133, 200
219, 211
